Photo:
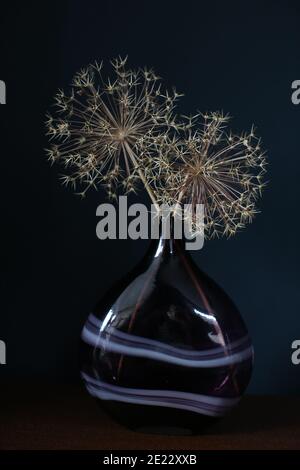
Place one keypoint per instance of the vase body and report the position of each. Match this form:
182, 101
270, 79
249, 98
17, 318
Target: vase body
166, 349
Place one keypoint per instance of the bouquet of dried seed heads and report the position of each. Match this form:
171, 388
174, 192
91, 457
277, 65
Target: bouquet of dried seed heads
122, 131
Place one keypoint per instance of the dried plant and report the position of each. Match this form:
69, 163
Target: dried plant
101, 129
210, 166
121, 131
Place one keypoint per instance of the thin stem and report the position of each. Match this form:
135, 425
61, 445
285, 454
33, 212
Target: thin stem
141, 174
181, 194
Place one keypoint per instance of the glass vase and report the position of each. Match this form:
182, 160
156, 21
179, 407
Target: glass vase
166, 350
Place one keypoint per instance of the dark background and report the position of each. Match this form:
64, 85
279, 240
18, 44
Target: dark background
237, 56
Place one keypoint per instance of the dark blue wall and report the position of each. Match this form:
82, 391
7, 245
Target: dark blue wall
240, 57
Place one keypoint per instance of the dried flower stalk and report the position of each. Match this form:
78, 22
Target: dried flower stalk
210, 166
102, 125
121, 131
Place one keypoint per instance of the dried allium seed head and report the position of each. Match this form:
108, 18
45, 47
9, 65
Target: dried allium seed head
220, 170
102, 126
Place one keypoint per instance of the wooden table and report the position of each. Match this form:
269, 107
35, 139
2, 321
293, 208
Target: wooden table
65, 417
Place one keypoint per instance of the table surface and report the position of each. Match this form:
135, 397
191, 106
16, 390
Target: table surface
57, 417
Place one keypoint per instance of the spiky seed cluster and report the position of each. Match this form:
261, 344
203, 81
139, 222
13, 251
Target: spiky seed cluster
101, 129
221, 170
123, 130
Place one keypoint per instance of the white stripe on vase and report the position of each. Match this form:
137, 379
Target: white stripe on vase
94, 324
203, 404
110, 345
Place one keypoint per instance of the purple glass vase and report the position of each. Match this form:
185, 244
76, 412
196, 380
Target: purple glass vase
166, 350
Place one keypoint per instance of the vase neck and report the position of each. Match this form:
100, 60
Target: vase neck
169, 241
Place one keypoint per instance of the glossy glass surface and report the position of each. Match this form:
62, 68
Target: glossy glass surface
166, 350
